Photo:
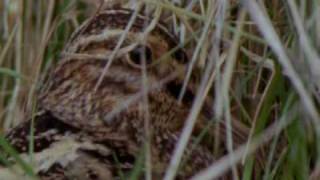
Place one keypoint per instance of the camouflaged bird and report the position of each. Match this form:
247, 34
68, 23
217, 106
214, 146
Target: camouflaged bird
95, 96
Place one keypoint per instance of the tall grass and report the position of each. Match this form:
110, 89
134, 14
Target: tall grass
260, 62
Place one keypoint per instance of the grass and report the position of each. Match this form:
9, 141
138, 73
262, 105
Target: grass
266, 75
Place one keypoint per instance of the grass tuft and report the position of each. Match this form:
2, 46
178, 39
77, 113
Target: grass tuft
258, 62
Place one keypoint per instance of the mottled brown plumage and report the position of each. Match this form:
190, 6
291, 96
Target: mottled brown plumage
111, 113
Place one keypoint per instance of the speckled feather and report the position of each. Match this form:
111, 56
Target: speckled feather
70, 105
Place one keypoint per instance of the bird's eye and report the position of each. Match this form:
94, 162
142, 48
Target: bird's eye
180, 56
137, 54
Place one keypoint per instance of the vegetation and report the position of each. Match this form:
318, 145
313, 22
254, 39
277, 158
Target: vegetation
259, 60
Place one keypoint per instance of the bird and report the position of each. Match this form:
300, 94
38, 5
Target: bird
108, 105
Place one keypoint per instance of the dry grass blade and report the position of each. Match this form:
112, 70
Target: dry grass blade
116, 49
271, 36
249, 62
225, 163
196, 107
7, 45
227, 77
310, 52
196, 52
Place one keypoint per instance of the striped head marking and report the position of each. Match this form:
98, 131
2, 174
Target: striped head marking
70, 93
102, 32
98, 38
